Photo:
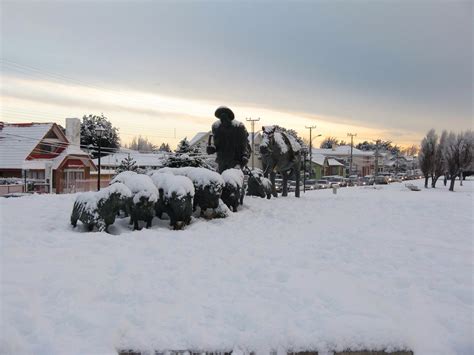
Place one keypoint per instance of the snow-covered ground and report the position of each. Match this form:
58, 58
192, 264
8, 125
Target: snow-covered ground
366, 268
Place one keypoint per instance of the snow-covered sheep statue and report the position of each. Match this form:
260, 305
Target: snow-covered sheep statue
258, 185
141, 205
99, 209
175, 198
281, 152
233, 191
208, 186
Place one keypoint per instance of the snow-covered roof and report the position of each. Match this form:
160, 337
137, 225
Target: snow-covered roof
318, 159
17, 141
334, 162
70, 150
141, 159
198, 137
342, 150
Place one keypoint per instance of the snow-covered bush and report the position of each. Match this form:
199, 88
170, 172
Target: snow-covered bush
233, 191
141, 205
185, 160
258, 185
99, 209
175, 197
208, 185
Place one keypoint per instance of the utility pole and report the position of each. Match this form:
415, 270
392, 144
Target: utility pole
252, 123
377, 142
352, 135
310, 150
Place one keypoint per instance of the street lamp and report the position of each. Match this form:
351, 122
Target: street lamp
99, 131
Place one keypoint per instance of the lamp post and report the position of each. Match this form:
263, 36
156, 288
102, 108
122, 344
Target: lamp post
99, 131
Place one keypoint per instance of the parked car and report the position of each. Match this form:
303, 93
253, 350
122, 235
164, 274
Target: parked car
323, 184
368, 180
381, 180
354, 180
335, 179
311, 184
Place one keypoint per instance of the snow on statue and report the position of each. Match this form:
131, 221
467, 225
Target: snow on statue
230, 141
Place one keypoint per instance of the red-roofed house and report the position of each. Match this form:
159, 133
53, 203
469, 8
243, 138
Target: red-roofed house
44, 153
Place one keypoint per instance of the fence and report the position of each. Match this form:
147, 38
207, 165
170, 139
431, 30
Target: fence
83, 185
10, 189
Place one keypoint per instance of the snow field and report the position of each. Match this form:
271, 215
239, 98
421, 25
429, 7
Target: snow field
366, 268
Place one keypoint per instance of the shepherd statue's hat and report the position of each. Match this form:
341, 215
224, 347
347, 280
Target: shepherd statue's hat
224, 112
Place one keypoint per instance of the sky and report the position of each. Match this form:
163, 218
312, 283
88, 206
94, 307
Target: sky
381, 69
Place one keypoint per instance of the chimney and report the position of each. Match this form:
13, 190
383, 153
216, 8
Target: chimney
73, 131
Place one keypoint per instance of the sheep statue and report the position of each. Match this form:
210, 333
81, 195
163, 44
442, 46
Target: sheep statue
208, 187
175, 198
99, 209
258, 185
233, 191
141, 205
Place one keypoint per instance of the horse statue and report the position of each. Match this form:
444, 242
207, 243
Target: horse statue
281, 153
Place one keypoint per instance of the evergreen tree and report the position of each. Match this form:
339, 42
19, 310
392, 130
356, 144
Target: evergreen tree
127, 164
109, 141
183, 146
183, 160
329, 142
165, 147
142, 144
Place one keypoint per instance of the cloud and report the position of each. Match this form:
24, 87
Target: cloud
156, 115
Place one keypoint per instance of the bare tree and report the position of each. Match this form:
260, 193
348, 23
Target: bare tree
466, 154
458, 154
427, 152
439, 165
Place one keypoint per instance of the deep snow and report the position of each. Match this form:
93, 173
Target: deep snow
366, 268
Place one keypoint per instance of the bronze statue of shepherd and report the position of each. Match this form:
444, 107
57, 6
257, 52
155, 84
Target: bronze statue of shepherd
230, 141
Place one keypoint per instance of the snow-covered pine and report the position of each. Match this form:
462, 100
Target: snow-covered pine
127, 164
183, 146
109, 140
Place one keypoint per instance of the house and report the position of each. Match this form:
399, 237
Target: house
324, 166
110, 163
199, 142
44, 153
363, 162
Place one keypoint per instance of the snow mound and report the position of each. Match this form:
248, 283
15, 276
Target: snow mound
200, 176
140, 185
234, 177
180, 185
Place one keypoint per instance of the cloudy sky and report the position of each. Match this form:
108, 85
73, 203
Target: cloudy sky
381, 69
